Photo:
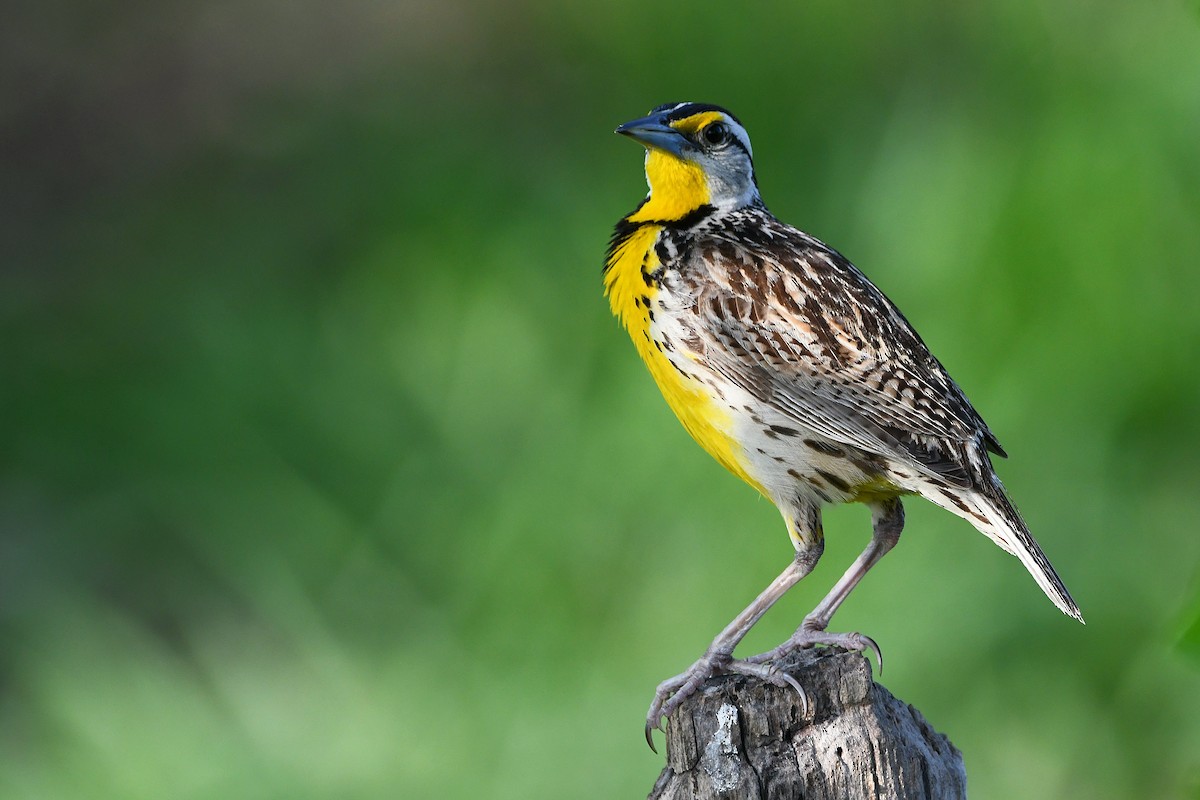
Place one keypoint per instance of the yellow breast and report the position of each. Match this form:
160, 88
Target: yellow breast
632, 297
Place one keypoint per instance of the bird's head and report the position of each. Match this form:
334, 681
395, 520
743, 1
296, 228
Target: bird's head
696, 155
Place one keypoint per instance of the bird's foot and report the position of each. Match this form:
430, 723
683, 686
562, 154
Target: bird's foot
809, 635
673, 691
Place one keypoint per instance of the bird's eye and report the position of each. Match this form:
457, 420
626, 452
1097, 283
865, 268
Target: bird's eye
716, 134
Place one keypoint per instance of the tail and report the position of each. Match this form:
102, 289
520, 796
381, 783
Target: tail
997, 518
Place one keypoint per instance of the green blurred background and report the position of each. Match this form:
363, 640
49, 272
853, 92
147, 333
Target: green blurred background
326, 473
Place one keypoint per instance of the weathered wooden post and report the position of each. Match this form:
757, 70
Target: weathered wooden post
740, 738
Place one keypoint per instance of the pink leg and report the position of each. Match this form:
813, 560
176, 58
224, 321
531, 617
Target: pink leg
888, 519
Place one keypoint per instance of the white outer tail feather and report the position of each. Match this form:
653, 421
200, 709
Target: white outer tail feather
1005, 527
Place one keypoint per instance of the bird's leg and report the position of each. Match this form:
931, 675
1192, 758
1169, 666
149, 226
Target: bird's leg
718, 657
888, 521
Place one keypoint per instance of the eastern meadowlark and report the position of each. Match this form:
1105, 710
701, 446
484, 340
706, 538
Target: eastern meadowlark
795, 372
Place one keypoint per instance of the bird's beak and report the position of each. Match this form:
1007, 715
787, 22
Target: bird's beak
653, 132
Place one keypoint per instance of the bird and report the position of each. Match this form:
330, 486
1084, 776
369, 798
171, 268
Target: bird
796, 373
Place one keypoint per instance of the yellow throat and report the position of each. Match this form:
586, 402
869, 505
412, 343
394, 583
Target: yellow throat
677, 188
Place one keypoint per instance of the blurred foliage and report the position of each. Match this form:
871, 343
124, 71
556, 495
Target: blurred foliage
325, 472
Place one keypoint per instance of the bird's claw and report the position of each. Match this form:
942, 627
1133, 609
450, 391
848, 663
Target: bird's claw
869, 642
811, 637
773, 675
858, 642
672, 692
650, 737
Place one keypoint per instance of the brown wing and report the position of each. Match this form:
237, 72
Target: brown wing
798, 325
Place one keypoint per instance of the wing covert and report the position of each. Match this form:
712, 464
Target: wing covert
796, 324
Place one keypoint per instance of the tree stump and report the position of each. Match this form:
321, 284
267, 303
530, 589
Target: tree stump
739, 738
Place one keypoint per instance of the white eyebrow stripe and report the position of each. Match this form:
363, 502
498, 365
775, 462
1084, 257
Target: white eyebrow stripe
742, 134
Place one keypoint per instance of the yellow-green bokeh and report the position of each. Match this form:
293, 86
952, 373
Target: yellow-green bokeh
326, 473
